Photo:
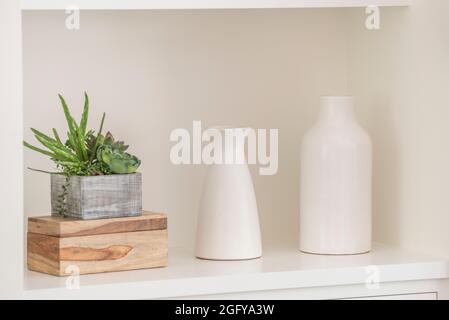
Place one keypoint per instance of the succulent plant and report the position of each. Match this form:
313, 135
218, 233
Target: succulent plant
111, 154
85, 153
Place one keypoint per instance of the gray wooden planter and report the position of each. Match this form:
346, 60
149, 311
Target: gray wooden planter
97, 197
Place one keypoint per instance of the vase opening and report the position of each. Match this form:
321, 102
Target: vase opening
336, 109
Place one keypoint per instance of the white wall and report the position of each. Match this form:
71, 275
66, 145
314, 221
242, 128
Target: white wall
156, 71
11, 206
400, 75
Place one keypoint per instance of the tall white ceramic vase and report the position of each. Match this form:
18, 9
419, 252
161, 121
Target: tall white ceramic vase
228, 222
335, 182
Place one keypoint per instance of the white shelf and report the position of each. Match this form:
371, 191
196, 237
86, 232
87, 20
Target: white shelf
280, 268
204, 4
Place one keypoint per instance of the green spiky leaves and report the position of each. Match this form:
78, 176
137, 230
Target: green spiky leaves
84, 153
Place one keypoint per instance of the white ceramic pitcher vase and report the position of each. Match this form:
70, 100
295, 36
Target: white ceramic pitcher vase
228, 222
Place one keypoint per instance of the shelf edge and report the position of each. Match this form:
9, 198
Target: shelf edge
203, 4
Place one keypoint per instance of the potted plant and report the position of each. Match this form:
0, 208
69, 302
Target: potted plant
97, 178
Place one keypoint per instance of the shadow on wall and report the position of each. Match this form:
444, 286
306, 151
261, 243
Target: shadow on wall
387, 170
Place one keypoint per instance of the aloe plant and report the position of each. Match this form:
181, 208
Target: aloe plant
84, 153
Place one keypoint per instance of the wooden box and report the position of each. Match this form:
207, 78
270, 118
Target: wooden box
58, 246
97, 197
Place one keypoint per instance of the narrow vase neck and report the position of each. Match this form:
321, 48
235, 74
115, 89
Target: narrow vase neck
233, 143
336, 110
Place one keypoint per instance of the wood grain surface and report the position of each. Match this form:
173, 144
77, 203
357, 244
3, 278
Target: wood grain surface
99, 197
71, 227
100, 253
56, 245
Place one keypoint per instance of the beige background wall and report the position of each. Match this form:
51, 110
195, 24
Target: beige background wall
156, 71
400, 75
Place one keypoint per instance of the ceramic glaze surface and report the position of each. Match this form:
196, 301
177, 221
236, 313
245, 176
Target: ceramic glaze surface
335, 183
228, 223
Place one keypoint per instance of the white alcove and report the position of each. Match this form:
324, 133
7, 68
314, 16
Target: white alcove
262, 64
